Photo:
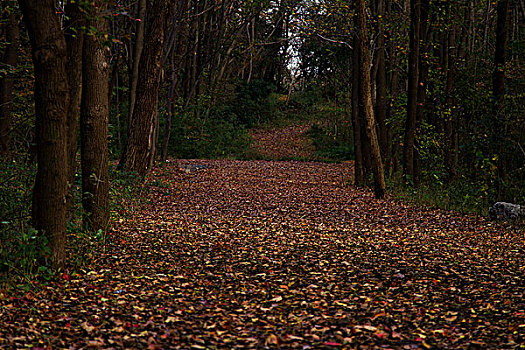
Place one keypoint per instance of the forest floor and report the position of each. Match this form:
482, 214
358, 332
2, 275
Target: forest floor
229, 254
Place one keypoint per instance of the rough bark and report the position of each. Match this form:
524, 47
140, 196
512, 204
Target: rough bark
94, 119
51, 105
413, 68
139, 145
9, 58
366, 98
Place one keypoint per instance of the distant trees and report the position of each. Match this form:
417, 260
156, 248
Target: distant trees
432, 64
8, 60
409, 166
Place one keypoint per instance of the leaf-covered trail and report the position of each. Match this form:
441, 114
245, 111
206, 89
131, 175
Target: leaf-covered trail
255, 254
289, 142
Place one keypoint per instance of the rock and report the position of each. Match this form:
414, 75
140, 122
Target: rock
506, 211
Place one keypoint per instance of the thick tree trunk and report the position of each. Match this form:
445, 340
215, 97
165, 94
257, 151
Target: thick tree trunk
7, 82
94, 119
139, 144
74, 41
51, 105
413, 69
366, 98
498, 88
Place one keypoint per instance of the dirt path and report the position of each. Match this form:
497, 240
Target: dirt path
256, 254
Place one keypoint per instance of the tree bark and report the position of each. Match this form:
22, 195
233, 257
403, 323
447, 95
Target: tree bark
51, 105
413, 69
139, 145
366, 98
7, 82
94, 119
137, 53
381, 102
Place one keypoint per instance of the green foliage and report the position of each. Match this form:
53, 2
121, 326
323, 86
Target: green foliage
212, 136
124, 192
329, 145
22, 249
252, 104
219, 129
463, 195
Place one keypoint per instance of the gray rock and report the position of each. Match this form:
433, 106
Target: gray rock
506, 211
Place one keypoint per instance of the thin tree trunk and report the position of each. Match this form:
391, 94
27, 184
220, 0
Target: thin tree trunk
139, 145
170, 103
7, 82
381, 102
366, 98
51, 106
137, 53
410, 125
94, 124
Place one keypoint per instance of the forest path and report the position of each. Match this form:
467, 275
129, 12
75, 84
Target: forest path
256, 254
283, 143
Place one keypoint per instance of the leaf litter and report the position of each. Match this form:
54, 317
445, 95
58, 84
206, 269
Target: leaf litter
267, 254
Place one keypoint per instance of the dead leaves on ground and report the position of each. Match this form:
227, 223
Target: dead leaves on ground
259, 254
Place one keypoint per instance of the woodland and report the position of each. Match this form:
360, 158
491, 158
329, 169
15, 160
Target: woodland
295, 174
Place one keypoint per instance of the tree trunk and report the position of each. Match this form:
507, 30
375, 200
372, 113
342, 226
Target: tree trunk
51, 106
74, 42
498, 90
366, 98
170, 106
7, 82
413, 69
134, 71
139, 146
381, 102
94, 119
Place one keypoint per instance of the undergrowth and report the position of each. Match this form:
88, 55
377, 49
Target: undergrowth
23, 250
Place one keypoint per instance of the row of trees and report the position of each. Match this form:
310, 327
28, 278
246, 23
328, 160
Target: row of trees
90, 57
445, 85
417, 74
